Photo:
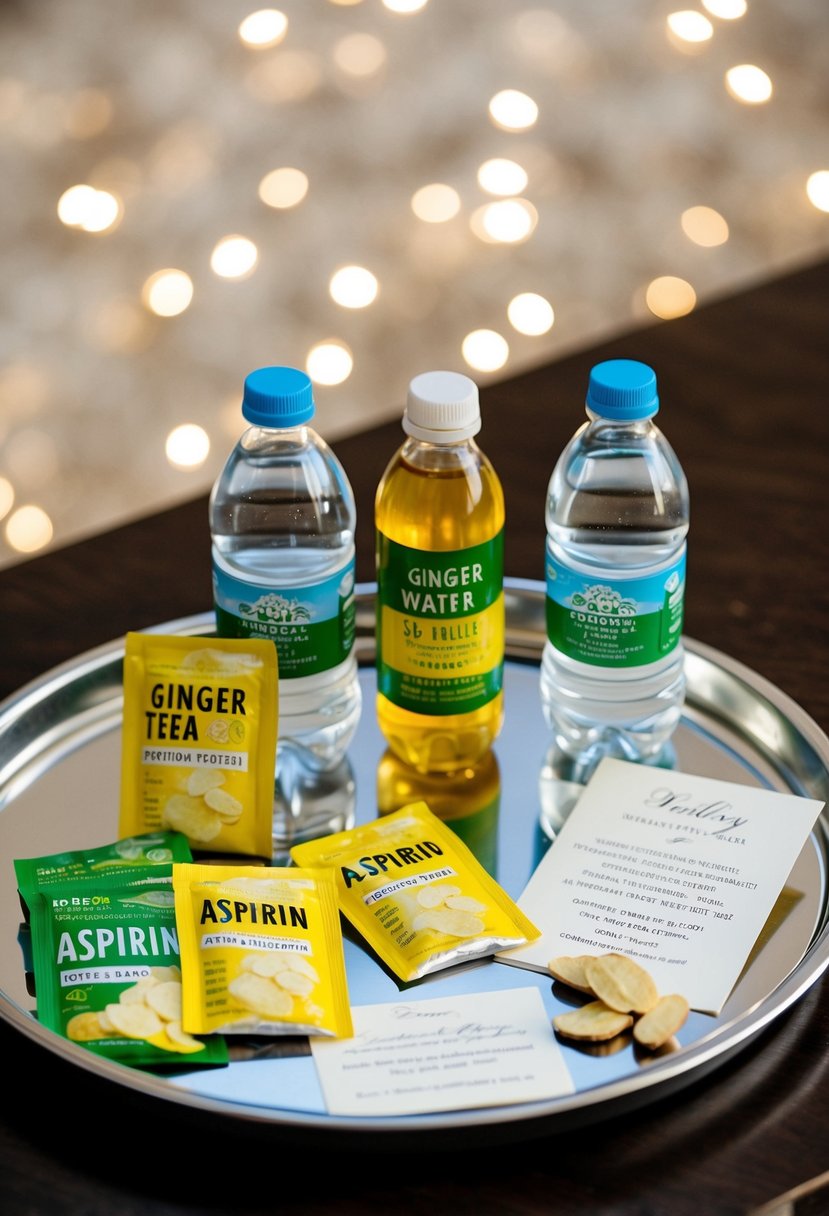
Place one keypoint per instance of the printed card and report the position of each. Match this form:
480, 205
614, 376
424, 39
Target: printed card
679, 872
414, 1057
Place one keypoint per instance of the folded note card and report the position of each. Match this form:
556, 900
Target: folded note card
679, 872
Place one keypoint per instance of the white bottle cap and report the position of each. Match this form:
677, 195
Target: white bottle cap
442, 407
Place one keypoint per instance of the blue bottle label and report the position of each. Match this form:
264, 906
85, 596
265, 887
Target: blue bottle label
626, 622
312, 626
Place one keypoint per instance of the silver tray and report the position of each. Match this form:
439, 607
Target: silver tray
59, 780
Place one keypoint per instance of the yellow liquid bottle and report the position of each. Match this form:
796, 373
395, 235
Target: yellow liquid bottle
439, 516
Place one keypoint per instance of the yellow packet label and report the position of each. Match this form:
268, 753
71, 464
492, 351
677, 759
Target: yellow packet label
198, 747
416, 893
261, 950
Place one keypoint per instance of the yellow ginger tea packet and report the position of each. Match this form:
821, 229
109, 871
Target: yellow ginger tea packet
198, 749
416, 893
261, 950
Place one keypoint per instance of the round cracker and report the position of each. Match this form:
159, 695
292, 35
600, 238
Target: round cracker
569, 969
135, 1021
294, 982
84, 1028
165, 999
223, 803
662, 1022
192, 818
203, 779
592, 1023
260, 995
621, 983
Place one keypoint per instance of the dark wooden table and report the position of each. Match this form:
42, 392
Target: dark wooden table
743, 384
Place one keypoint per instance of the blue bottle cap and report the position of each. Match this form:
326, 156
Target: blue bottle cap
278, 396
622, 388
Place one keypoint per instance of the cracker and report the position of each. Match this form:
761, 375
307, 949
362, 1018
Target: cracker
621, 983
266, 965
297, 962
464, 903
191, 817
165, 1000
260, 995
203, 779
593, 1023
293, 982
661, 1022
223, 803
181, 1039
134, 1021
569, 970
433, 896
137, 993
84, 1028
451, 921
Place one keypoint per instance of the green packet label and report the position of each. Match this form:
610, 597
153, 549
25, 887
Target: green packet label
108, 976
136, 857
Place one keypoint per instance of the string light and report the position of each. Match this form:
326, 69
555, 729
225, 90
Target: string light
749, 84
89, 209
668, 297
329, 363
29, 529
531, 314
726, 10
187, 446
353, 287
704, 226
689, 26
234, 257
167, 292
502, 176
436, 203
283, 188
264, 28
485, 350
513, 110
817, 189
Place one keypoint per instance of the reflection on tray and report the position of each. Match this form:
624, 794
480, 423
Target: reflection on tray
468, 800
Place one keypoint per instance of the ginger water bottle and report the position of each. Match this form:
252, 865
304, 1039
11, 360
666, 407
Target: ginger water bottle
439, 516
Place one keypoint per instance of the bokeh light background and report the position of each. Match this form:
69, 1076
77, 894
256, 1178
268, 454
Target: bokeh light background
367, 189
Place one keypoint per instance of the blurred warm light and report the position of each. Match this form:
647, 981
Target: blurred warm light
346, 3
91, 210
704, 226
485, 350
329, 362
187, 446
507, 221
120, 325
687, 25
749, 84
726, 10
234, 257
530, 314
167, 292
28, 529
513, 110
817, 189
88, 113
501, 176
31, 456
353, 287
360, 55
264, 28
6, 497
669, 296
286, 76
283, 188
436, 203
405, 6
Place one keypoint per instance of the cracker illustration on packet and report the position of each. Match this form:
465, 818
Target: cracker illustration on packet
416, 892
262, 950
198, 750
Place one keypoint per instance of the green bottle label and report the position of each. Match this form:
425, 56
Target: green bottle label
624, 623
440, 626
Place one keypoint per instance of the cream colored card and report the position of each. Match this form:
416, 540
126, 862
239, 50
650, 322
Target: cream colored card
416, 1057
679, 872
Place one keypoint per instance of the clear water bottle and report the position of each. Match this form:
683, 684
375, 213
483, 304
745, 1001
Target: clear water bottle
612, 677
282, 520
439, 516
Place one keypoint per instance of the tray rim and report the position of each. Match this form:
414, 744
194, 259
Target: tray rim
683, 1068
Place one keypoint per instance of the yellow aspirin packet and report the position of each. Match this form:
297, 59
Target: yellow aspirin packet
261, 950
198, 748
416, 893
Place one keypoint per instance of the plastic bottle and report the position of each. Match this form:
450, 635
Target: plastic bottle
612, 677
282, 520
439, 515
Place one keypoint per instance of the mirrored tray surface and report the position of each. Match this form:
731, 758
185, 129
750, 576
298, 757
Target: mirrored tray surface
60, 740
